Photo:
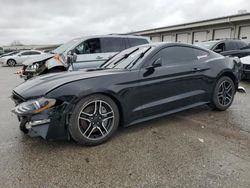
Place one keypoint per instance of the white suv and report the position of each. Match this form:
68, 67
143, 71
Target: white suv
92, 51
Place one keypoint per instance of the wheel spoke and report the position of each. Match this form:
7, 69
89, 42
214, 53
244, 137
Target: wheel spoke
108, 114
224, 86
91, 132
100, 107
229, 88
104, 127
224, 101
95, 108
100, 130
220, 95
107, 118
86, 114
87, 129
86, 119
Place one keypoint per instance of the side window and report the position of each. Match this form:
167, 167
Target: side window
232, 45
242, 45
90, 46
136, 41
112, 44
25, 53
34, 53
176, 55
220, 47
200, 54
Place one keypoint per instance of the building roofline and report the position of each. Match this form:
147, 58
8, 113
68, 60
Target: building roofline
218, 20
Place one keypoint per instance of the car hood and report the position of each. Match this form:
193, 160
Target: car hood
41, 85
7, 56
245, 60
41, 57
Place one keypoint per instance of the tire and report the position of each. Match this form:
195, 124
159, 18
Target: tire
91, 126
223, 94
11, 63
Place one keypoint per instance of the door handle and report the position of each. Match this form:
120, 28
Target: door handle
99, 57
196, 69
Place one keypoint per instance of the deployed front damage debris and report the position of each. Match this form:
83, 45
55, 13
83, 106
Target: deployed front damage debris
48, 63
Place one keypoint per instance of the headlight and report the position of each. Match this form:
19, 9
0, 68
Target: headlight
34, 106
32, 68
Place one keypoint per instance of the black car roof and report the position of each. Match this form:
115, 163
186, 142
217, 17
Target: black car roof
166, 44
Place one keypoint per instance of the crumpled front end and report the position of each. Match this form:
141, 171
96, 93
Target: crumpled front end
42, 65
50, 124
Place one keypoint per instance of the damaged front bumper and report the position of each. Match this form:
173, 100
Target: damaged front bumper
50, 124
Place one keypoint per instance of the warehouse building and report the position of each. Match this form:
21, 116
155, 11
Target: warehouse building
234, 26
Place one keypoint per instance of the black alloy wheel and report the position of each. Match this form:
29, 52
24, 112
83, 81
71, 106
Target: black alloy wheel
223, 95
94, 120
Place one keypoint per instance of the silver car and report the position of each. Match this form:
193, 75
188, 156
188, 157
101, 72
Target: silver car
19, 57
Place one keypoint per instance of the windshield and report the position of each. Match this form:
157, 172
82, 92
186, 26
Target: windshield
65, 46
127, 59
11, 53
208, 45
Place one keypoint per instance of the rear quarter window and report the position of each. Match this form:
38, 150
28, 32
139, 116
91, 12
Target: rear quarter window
112, 44
200, 54
243, 45
232, 45
175, 55
34, 53
136, 41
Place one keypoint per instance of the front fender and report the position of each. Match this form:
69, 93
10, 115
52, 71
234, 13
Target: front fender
56, 61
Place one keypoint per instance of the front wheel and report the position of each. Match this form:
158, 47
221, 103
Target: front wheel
11, 63
94, 120
223, 94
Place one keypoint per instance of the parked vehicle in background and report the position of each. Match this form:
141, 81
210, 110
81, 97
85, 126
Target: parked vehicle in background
227, 47
1, 51
9, 53
246, 67
17, 58
136, 85
91, 51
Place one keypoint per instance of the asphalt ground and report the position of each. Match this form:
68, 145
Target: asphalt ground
194, 148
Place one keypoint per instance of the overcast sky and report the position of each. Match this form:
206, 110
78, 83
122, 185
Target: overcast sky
57, 21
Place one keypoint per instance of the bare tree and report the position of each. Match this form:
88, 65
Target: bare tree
16, 43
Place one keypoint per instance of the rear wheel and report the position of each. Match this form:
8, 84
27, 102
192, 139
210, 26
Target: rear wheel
223, 94
94, 120
11, 62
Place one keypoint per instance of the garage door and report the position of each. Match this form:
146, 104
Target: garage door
245, 33
168, 38
182, 38
199, 36
156, 39
222, 34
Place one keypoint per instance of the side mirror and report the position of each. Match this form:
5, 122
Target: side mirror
151, 69
70, 53
218, 50
71, 58
157, 63
74, 57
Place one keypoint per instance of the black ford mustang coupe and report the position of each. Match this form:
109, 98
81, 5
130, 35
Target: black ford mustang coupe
138, 84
